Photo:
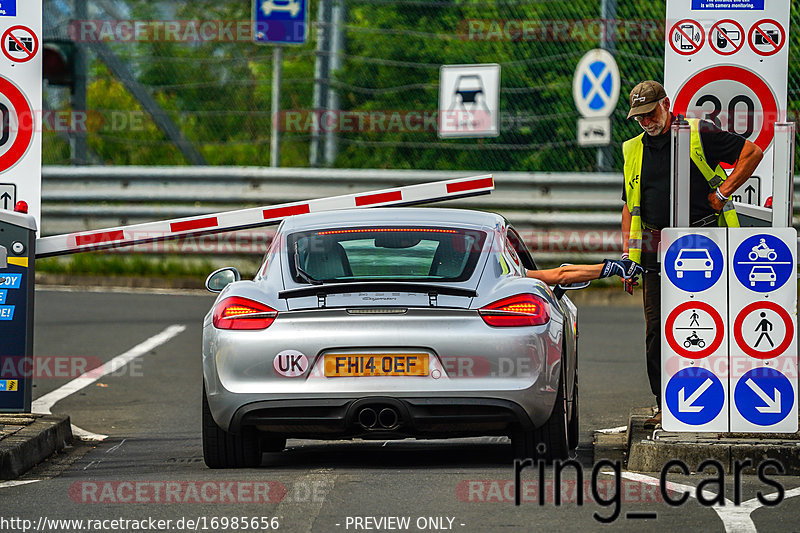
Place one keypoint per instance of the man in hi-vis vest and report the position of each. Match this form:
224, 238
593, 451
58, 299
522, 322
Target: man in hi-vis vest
646, 193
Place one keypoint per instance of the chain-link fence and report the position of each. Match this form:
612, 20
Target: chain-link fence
181, 82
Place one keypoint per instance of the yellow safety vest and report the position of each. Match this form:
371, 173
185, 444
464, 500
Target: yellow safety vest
632, 151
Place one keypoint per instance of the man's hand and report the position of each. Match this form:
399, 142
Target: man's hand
624, 268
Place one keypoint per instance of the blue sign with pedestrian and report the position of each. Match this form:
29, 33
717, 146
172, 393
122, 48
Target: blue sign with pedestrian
694, 396
764, 396
280, 21
763, 263
693, 263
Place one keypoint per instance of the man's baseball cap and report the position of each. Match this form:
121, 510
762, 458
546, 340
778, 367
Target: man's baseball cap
645, 96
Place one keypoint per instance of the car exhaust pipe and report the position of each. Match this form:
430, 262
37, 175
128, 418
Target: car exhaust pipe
367, 418
388, 418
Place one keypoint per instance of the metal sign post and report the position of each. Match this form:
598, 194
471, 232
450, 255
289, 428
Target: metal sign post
679, 169
17, 242
783, 175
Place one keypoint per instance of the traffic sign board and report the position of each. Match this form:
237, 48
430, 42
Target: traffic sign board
280, 21
694, 329
739, 100
766, 37
726, 37
594, 131
687, 37
19, 44
764, 396
763, 330
469, 97
595, 86
763, 263
693, 263
17, 124
694, 396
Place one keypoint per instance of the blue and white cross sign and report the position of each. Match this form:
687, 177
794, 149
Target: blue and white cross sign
694, 396
764, 396
763, 263
693, 263
595, 87
280, 21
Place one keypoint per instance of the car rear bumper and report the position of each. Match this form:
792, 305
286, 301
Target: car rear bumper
394, 417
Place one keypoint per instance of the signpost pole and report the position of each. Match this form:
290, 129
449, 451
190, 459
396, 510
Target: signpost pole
783, 175
679, 167
274, 139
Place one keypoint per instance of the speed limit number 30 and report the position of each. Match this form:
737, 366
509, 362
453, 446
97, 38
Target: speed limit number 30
734, 98
16, 124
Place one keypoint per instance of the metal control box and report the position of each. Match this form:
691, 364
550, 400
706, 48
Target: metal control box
17, 259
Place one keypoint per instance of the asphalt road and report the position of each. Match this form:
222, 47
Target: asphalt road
150, 467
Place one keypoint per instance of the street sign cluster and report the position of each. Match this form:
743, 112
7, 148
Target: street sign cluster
729, 356
20, 105
595, 89
728, 64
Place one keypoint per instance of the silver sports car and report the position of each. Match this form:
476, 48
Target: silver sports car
389, 323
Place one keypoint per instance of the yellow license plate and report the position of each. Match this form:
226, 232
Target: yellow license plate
385, 364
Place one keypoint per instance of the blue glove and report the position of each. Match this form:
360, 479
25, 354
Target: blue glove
624, 268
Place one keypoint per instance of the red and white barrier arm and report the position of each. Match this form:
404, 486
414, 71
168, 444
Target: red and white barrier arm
257, 216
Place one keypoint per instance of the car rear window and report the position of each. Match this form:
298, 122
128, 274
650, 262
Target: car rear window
402, 253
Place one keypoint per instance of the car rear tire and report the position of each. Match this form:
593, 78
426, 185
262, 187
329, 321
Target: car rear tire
549, 442
227, 450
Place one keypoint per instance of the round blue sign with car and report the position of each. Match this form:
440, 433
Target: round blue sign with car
693, 263
763, 263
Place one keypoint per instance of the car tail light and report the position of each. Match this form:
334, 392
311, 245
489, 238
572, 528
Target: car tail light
241, 313
768, 203
519, 310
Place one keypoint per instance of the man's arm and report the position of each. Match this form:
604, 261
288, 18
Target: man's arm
626, 227
749, 158
567, 274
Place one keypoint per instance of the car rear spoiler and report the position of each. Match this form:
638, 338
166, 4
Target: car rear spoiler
376, 286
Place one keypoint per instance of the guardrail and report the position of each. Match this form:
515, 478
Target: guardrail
562, 216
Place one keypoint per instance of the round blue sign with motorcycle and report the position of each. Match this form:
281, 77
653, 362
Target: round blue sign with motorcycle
763, 263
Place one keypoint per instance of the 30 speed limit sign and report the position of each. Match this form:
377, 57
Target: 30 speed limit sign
732, 97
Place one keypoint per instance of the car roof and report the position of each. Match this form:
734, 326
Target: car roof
393, 215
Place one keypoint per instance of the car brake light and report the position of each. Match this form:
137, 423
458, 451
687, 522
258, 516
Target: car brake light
519, 310
241, 313
768, 203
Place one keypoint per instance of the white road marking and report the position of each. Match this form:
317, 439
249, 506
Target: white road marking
5, 484
611, 431
45, 403
736, 519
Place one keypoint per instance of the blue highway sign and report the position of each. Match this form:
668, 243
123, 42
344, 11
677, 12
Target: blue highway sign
694, 396
280, 21
693, 263
763, 263
764, 396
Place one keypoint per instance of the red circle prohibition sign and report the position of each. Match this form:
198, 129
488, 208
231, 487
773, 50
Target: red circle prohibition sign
769, 105
680, 350
25, 123
724, 35
676, 30
775, 47
769, 354
4, 44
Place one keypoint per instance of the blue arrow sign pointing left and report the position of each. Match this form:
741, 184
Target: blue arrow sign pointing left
694, 396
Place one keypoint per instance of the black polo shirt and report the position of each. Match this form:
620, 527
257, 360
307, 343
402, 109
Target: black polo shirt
718, 146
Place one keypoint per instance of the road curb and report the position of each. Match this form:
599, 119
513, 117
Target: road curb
650, 450
34, 442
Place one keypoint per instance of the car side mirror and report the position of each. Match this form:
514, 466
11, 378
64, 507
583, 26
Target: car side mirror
561, 289
219, 279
